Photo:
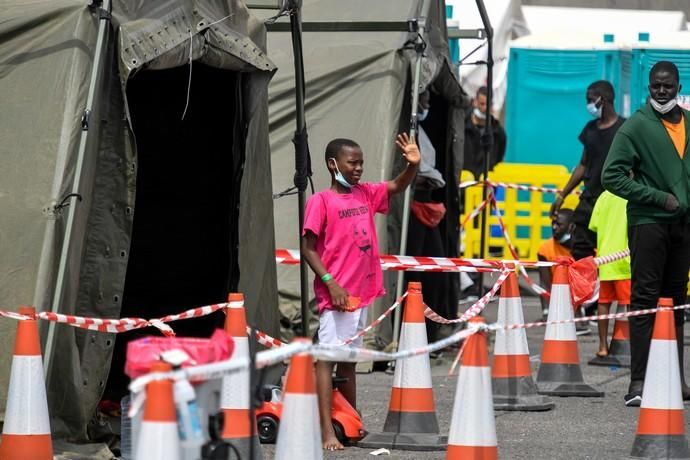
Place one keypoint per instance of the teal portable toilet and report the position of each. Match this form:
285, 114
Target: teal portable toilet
453, 43
650, 49
545, 109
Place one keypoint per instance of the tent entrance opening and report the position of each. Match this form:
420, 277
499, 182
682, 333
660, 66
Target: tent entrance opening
184, 239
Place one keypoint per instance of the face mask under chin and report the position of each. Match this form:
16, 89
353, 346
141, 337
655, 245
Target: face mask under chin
565, 238
663, 108
339, 178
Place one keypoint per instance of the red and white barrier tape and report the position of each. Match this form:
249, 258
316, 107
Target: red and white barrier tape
603, 260
116, 326
271, 342
265, 339
95, 324
448, 264
625, 314
527, 188
287, 256
534, 286
474, 310
340, 353
377, 321
474, 213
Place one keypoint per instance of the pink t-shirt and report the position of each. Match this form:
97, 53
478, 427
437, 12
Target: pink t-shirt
346, 240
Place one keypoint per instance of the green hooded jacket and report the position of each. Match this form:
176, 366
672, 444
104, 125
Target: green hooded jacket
642, 145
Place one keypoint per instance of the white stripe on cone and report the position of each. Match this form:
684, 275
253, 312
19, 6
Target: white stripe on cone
158, 441
513, 341
473, 411
560, 309
662, 379
299, 433
413, 372
27, 406
235, 392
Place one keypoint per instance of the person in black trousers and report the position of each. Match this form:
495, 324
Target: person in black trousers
649, 165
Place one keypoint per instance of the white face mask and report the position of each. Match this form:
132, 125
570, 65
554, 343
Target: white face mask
422, 114
565, 238
594, 110
663, 108
479, 114
339, 178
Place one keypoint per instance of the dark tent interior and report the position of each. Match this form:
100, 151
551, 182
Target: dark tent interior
189, 167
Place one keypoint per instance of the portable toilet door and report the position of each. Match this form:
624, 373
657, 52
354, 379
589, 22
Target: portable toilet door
652, 48
548, 76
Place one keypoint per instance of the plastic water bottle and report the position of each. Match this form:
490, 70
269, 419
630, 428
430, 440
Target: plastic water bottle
188, 420
125, 430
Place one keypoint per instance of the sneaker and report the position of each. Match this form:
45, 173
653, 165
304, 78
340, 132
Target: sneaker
582, 331
633, 399
634, 396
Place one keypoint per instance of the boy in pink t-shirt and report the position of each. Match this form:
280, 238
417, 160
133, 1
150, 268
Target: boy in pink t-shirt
339, 243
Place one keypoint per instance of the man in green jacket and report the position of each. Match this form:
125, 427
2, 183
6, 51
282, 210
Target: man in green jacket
649, 165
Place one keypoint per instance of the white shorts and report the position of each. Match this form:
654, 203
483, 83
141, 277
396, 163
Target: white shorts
335, 327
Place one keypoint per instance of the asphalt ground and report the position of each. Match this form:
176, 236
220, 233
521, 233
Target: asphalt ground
578, 428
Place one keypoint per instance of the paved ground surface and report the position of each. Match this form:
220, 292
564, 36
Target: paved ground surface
578, 428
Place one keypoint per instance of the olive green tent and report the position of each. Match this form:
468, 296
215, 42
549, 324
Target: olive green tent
131, 181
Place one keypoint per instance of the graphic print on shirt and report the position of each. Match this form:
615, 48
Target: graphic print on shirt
362, 237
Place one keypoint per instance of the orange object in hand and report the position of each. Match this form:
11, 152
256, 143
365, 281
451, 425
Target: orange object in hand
352, 303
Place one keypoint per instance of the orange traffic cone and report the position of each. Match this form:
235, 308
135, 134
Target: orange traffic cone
299, 433
472, 429
411, 422
158, 438
559, 373
26, 431
237, 428
512, 383
619, 348
661, 426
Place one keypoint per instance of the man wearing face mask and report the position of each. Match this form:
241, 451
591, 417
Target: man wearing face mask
474, 128
653, 146
596, 138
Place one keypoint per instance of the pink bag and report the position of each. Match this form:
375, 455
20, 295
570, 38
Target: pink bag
143, 352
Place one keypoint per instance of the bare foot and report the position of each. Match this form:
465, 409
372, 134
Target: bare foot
331, 443
602, 353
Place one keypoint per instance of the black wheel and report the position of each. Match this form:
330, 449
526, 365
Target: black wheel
340, 433
267, 428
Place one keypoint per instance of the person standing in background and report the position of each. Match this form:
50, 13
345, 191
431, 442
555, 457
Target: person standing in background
426, 213
596, 138
610, 223
557, 246
474, 129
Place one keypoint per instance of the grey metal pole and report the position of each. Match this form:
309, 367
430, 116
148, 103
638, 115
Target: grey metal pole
302, 163
487, 138
103, 29
407, 198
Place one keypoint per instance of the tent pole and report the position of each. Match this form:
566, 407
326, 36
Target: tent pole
419, 48
487, 137
302, 161
74, 197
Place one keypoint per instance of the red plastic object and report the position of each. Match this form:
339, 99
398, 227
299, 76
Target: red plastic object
143, 352
583, 277
346, 420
